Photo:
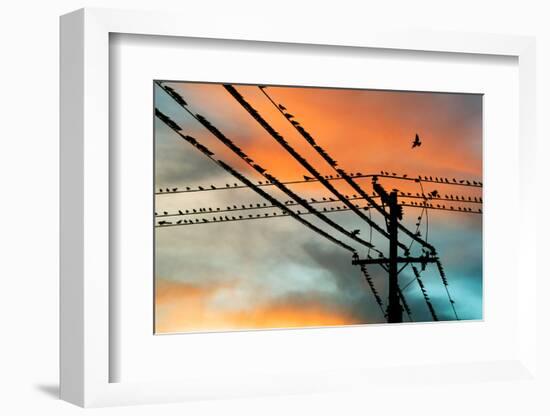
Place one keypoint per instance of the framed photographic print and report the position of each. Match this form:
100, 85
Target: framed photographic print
285, 213
230, 248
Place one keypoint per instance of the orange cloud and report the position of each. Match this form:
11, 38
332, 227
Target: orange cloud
184, 307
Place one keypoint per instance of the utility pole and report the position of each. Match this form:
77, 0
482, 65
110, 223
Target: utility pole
395, 311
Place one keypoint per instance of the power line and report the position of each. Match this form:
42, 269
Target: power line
218, 219
424, 294
446, 285
254, 113
372, 287
324, 211
239, 152
204, 150
344, 175
183, 189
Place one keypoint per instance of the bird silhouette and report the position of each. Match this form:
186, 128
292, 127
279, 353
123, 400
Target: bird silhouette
355, 232
288, 115
307, 178
416, 142
201, 188
179, 211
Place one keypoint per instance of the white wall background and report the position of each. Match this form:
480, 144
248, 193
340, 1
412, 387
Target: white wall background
29, 207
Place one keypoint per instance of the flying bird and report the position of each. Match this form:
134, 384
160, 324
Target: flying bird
416, 142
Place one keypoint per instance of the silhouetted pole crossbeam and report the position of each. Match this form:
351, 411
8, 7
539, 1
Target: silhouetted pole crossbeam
384, 261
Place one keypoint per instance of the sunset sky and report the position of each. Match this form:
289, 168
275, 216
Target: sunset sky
276, 273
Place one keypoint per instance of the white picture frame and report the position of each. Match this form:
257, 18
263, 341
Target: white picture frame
85, 220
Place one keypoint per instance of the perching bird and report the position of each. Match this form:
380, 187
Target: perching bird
355, 232
179, 211
165, 213
174, 189
201, 188
288, 115
282, 107
416, 142
307, 178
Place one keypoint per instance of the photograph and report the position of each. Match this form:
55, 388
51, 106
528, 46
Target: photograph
279, 207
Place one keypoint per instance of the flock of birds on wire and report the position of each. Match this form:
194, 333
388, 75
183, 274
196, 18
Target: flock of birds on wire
431, 196
383, 174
